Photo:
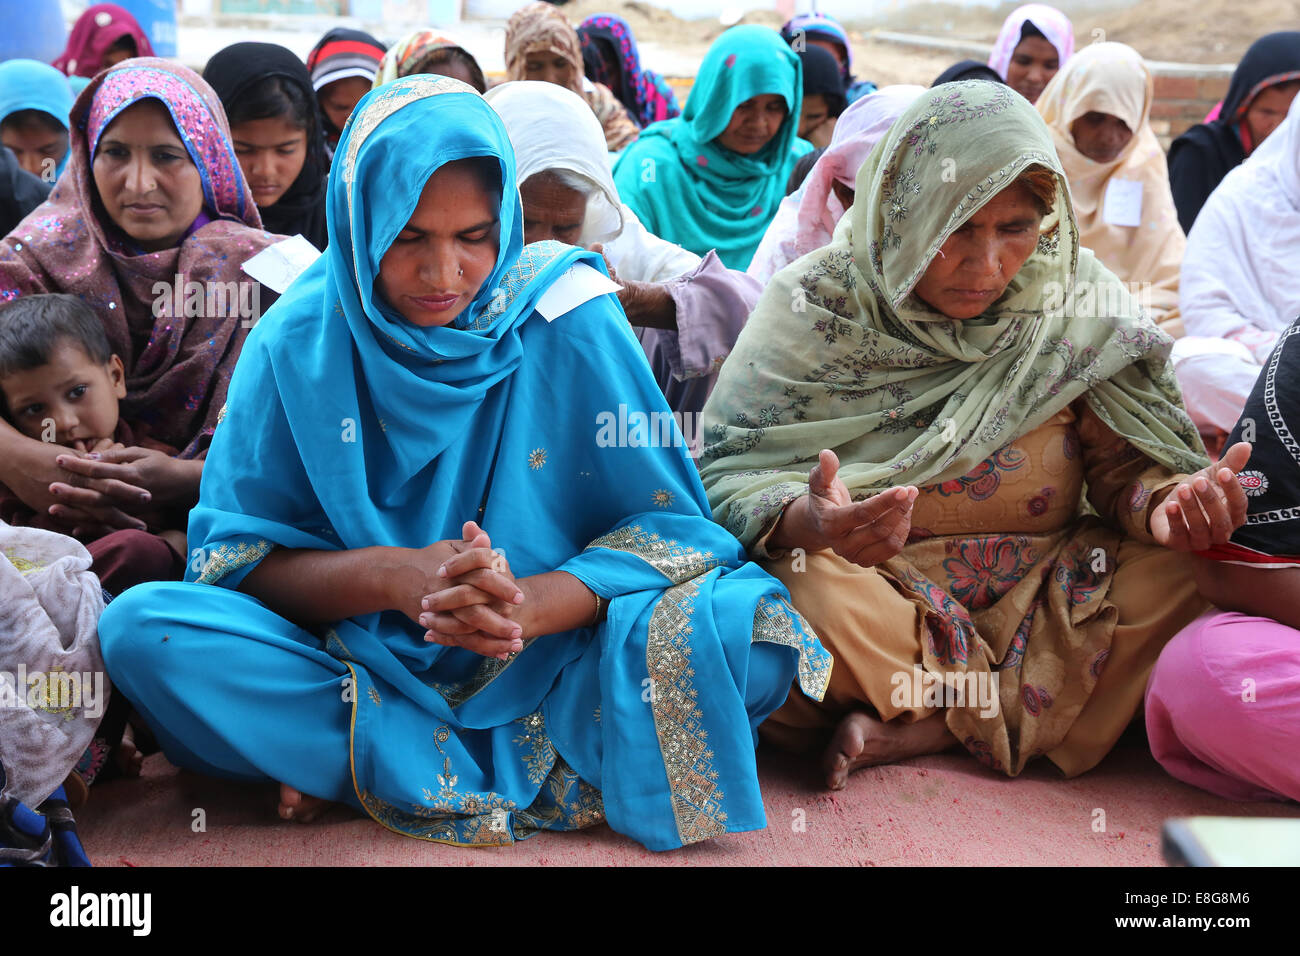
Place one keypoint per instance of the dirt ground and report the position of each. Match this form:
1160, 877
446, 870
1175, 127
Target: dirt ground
1180, 31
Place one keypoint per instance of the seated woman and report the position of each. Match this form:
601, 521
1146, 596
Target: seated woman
1262, 88
1035, 41
823, 96
686, 311
713, 177
1223, 703
1239, 286
343, 66
610, 57
908, 454
542, 45
805, 220
148, 226
824, 31
103, 36
1097, 108
279, 139
428, 51
35, 101
613, 656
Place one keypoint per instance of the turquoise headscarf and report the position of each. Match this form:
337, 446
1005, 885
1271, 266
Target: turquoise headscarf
347, 427
689, 190
32, 85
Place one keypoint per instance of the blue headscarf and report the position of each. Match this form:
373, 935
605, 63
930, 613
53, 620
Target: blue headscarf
348, 427
32, 85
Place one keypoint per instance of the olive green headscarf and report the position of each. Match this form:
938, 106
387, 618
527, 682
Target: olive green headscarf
840, 354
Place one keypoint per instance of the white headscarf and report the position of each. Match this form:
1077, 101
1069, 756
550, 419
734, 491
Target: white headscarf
806, 218
1239, 287
552, 128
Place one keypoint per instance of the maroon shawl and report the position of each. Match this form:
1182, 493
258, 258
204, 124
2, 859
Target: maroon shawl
178, 367
94, 32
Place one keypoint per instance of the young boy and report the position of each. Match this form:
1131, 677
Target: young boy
60, 382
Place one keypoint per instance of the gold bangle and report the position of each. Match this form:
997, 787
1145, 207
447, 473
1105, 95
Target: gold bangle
596, 620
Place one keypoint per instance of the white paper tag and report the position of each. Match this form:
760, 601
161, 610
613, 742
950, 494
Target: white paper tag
1122, 205
581, 283
277, 266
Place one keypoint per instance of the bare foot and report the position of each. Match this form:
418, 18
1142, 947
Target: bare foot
865, 741
298, 806
127, 757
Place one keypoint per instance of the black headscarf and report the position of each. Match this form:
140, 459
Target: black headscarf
968, 70
1202, 156
822, 76
20, 191
232, 72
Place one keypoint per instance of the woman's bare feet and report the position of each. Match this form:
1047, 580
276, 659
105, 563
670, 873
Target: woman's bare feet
127, 757
864, 741
298, 806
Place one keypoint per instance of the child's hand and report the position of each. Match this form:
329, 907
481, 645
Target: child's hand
468, 612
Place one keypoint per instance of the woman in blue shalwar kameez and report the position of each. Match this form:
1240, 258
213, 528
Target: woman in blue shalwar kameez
362, 433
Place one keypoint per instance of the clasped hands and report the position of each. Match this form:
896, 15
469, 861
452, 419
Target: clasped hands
472, 599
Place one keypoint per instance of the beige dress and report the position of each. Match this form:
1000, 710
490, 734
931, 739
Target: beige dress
1034, 623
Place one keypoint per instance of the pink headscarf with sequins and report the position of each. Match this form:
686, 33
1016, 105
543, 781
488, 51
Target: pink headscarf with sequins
95, 31
177, 366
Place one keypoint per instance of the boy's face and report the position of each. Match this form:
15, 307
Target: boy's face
71, 400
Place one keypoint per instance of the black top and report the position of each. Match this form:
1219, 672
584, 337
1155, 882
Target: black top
232, 72
20, 191
1202, 156
968, 70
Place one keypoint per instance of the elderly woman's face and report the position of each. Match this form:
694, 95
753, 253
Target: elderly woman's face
552, 210
978, 261
548, 67
145, 178
446, 251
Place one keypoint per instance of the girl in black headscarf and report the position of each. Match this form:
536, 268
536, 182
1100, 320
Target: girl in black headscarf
1261, 90
276, 129
823, 95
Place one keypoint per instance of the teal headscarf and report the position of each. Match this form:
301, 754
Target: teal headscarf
32, 85
685, 187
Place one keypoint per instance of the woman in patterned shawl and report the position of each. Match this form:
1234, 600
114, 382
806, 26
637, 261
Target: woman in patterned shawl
149, 225
612, 658
903, 434
610, 56
542, 45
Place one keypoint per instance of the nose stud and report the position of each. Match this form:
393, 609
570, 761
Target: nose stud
461, 272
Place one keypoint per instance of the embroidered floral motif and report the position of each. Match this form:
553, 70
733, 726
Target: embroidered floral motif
22, 565
985, 569
663, 498
535, 746
374, 696
983, 480
537, 458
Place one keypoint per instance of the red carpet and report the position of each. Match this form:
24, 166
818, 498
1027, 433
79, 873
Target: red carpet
945, 810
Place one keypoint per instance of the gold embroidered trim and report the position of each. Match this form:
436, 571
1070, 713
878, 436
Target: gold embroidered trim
774, 622
229, 558
539, 753
683, 741
674, 561
488, 671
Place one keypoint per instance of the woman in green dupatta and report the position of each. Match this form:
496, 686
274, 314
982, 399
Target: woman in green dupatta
713, 177
906, 433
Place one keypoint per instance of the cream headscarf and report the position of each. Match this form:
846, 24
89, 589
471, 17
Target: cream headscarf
1113, 78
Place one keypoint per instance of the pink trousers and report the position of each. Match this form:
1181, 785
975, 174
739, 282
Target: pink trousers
1223, 707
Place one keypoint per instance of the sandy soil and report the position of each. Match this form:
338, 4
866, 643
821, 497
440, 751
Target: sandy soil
1182, 31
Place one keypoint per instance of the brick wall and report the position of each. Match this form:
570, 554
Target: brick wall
1184, 94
